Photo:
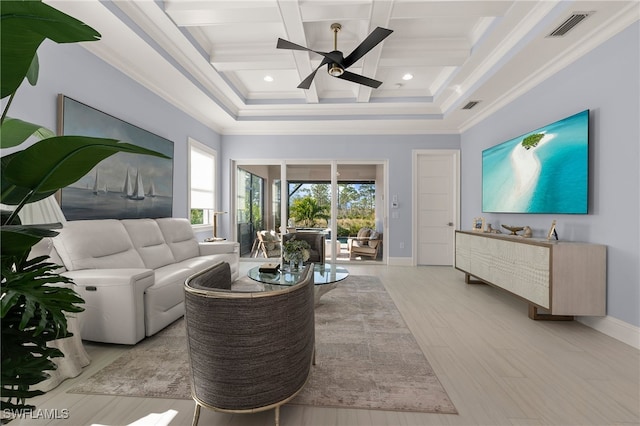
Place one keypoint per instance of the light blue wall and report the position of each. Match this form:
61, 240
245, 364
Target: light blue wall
74, 72
396, 149
606, 81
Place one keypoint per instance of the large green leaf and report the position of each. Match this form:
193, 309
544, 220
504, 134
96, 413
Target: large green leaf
17, 239
14, 131
33, 71
23, 27
42, 304
57, 162
13, 194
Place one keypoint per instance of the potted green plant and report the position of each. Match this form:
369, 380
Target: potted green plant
296, 252
32, 306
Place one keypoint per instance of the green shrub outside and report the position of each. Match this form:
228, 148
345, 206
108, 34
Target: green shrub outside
348, 227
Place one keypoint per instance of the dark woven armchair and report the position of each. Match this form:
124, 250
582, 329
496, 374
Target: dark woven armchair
248, 351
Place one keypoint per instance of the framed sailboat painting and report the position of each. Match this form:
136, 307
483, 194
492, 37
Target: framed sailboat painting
123, 186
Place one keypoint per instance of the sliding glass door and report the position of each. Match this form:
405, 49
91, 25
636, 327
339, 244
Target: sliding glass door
335, 198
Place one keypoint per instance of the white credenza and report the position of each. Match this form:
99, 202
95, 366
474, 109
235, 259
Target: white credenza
563, 278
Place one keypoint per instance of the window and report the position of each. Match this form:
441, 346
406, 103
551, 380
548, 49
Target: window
202, 172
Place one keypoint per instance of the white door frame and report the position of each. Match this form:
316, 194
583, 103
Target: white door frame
455, 153
334, 164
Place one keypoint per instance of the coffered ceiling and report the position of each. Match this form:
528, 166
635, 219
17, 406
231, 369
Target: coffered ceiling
217, 60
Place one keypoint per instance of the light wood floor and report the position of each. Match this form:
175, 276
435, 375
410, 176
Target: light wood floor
498, 366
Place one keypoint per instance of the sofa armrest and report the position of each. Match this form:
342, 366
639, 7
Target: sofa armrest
114, 303
218, 247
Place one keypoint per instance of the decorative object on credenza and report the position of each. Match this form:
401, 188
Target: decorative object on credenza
490, 230
123, 186
552, 231
514, 229
478, 224
528, 233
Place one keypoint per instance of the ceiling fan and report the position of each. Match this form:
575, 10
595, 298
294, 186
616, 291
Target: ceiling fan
336, 63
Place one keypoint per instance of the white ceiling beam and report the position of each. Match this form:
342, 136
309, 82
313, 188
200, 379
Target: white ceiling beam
380, 15
519, 30
320, 12
251, 59
292, 21
205, 17
431, 9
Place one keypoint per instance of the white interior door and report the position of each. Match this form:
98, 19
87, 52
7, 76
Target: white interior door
436, 189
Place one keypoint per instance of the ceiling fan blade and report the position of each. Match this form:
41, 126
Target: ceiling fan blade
306, 83
285, 44
360, 79
332, 56
367, 44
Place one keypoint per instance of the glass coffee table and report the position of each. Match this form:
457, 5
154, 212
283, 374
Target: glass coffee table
325, 277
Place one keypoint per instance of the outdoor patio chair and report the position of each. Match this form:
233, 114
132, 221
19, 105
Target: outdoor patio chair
367, 243
268, 244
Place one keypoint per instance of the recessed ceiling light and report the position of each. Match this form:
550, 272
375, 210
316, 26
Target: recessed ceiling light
407, 76
268, 78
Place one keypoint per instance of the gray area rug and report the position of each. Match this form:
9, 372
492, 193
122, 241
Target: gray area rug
366, 357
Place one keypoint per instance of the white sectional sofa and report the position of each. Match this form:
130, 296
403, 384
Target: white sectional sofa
131, 272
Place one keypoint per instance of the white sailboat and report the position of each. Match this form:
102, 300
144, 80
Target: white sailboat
152, 190
127, 188
138, 189
96, 185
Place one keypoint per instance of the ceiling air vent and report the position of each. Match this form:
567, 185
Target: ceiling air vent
569, 24
470, 104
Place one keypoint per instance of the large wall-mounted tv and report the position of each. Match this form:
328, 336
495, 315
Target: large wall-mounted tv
543, 171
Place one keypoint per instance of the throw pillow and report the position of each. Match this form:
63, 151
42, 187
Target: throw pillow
374, 235
216, 277
363, 233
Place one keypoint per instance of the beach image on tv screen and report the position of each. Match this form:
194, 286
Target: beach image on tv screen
544, 171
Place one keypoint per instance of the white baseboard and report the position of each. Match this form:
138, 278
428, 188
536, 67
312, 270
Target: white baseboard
613, 327
400, 261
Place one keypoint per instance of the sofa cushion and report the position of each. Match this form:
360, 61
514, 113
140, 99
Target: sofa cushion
166, 291
216, 277
148, 240
178, 234
96, 244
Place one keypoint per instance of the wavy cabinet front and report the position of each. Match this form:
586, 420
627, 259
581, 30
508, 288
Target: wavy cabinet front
562, 278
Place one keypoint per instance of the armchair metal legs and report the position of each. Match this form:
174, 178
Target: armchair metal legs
196, 415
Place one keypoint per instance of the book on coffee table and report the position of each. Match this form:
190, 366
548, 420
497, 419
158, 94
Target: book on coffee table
270, 268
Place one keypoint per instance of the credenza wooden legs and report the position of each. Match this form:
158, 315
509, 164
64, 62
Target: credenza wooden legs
533, 309
535, 315
468, 280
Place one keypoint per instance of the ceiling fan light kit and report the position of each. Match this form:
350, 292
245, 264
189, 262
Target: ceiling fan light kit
336, 63
335, 70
